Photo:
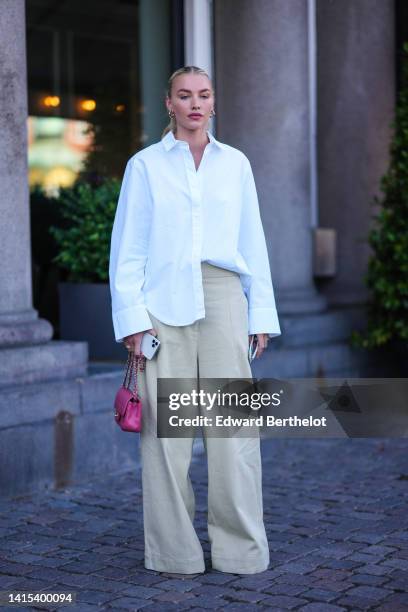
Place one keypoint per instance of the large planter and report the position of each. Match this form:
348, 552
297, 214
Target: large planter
400, 349
85, 314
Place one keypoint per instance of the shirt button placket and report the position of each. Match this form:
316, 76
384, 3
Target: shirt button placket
194, 183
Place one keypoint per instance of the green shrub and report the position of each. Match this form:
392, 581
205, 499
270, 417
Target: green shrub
387, 275
84, 243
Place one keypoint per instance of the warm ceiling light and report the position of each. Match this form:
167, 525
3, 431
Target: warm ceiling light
88, 105
119, 108
51, 101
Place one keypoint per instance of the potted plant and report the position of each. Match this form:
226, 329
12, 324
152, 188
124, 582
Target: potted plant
387, 276
83, 252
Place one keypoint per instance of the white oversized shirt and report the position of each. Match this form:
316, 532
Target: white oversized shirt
169, 218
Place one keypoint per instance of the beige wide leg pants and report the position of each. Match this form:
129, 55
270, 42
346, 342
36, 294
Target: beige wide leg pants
214, 347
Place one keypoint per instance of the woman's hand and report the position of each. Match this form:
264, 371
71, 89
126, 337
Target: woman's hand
262, 343
134, 341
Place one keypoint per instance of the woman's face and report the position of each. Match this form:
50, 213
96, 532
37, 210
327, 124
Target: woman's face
191, 94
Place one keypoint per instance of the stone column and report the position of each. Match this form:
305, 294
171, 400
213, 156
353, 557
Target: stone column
262, 107
20, 325
356, 93
19, 322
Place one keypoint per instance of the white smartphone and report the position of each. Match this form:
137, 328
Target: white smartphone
149, 345
253, 348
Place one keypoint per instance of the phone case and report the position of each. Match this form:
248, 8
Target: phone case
252, 349
150, 345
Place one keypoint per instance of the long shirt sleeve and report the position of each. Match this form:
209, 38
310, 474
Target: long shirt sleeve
128, 253
263, 316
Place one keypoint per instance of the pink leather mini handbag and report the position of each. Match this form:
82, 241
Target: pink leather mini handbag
128, 404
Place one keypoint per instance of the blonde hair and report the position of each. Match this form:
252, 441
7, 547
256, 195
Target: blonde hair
184, 70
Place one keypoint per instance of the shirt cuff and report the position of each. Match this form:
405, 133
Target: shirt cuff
130, 321
264, 321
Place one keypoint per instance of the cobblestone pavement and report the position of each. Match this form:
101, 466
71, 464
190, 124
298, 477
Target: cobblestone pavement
336, 513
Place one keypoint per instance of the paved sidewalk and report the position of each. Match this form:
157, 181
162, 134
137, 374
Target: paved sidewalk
337, 519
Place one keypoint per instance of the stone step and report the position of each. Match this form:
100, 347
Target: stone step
331, 326
54, 360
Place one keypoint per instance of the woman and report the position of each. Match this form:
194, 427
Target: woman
189, 264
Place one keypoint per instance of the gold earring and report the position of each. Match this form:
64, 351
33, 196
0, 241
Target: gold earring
212, 113
171, 114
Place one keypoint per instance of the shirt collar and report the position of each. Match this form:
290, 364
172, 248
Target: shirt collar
169, 141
